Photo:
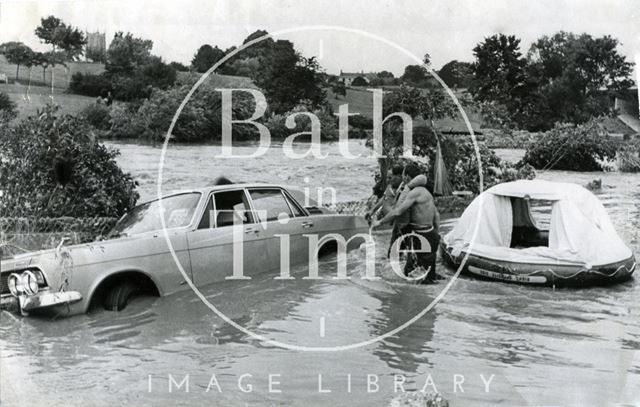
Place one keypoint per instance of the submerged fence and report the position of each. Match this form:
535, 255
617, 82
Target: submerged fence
25, 234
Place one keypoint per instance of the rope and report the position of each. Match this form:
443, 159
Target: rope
581, 271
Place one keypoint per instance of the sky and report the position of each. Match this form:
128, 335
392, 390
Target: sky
446, 29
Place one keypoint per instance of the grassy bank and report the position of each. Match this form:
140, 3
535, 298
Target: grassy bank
30, 99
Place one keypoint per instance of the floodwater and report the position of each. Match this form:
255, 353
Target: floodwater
536, 346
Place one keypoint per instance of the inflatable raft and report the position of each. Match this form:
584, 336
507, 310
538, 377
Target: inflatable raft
503, 241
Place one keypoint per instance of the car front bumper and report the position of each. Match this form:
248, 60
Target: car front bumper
43, 299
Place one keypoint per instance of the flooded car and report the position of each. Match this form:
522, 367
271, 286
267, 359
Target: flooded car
216, 233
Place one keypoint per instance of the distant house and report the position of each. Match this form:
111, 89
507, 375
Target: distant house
348, 77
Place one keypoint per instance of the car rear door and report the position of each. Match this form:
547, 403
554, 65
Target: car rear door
211, 244
285, 223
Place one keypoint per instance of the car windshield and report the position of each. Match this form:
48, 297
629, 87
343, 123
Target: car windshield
178, 210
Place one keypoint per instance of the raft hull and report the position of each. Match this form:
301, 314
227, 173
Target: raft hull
540, 274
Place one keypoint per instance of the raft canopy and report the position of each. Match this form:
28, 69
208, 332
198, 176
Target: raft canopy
580, 231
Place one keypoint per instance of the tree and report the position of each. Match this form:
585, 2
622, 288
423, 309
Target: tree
40, 59
286, 77
385, 74
206, 57
573, 74
414, 74
62, 38
18, 54
500, 82
178, 66
96, 55
456, 74
127, 53
499, 69
359, 81
338, 89
426, 104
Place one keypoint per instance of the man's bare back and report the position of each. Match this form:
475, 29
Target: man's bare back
423, 210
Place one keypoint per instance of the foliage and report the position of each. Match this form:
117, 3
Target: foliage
564, 78
499, 69
456, 74
361, 122
124, 121
96, 55
126, 54
62, 38
206, 57
279, 131
570, 71
628, 156
52, 167
359, 81
7, 107
338, 88
89, 84
286, 77
179, 67
385, 74
18, 54
414, 74
200, 120
132, 71
571, 147
97, 115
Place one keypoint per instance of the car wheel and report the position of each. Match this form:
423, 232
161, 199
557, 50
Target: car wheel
118, 296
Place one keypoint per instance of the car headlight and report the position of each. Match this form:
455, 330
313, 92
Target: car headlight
29, 282
12, 282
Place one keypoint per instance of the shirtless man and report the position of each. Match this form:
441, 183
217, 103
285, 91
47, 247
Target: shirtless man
424, 220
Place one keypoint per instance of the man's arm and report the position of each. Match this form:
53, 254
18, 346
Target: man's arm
400, 208
436, 219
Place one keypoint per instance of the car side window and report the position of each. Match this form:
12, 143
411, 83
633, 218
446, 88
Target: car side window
230, 205
297, 212
208, 217
269, 204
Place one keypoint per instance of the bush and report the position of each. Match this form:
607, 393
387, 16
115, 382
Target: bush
361, 122
124, 121
279, 131
52, 168
572, 147
7, 106
200, 120
89, 84
97, 115
628, 157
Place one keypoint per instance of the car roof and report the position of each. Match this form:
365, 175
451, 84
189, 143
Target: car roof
207, 190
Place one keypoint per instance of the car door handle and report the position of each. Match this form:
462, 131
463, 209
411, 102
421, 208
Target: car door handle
307, 225
251, 230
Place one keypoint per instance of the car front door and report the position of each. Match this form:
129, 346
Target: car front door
211, 245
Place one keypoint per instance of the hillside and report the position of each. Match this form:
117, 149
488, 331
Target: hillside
62, 76
361, 101
217, 80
